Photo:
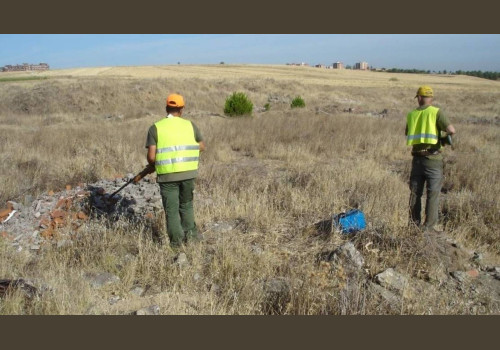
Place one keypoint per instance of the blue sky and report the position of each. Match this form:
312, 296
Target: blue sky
429, 51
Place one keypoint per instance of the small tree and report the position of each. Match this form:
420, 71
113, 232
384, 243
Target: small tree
298, 102
238, 104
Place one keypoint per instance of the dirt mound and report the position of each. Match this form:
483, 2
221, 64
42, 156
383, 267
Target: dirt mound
55, 215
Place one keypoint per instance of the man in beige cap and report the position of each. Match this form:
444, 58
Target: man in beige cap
174, 145
424, 126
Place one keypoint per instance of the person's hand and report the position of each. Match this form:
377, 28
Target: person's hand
137, 178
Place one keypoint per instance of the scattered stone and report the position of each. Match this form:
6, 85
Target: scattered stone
64, 243
473, 273
276, 295
181, 260
58, 222
28, 200
477, 257
392, 280
48, 233
351, 254
102, 279
346, 255
393, 300
256, 249
58, 214
14, 205
137, 290
37, 215
460, 276
150, 310
114, 299
27, 288
214, 288
4, 213
35, 247
6, 235
82, 216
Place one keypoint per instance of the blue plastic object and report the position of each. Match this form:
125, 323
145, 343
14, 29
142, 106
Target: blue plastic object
350, 222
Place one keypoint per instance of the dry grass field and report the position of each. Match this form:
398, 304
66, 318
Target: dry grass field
270, 179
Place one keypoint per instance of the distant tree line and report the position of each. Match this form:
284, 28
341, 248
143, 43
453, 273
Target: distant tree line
474, 73
399, 70
481, 74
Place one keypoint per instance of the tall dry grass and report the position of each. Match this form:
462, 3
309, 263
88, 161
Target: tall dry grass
271, 177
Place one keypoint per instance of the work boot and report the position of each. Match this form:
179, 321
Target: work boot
193, 238
432, 230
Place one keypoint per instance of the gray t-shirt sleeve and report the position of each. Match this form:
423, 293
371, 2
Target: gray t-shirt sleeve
152, 138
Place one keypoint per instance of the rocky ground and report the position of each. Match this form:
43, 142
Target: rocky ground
55, 215
54, 218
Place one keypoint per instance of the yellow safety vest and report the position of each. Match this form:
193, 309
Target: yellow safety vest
176, 149
422, 126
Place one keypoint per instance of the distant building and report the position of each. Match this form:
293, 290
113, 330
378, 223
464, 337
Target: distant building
361, 66
302, 64
26, 67
320, 66
338, 65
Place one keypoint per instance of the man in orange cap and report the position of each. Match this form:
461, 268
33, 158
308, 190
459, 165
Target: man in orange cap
424, 126
174, 145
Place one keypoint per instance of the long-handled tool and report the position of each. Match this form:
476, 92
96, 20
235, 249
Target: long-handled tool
147, 170
121, 188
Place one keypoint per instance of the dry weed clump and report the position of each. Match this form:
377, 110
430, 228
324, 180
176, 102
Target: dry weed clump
270, 180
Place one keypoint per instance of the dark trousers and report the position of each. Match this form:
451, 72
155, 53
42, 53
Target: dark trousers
430, 172
177, 198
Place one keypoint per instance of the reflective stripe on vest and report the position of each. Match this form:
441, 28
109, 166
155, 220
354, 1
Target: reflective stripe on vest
177, 160
176, 149
422, 126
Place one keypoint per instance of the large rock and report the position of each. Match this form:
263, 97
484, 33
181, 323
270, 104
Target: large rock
347, 255
386, 297
392, 280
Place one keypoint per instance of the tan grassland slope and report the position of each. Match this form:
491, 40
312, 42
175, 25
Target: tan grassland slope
267, 187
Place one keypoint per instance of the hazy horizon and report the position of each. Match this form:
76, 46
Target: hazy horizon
435, 52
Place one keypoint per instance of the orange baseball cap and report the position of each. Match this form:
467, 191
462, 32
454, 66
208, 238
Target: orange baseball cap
175, 100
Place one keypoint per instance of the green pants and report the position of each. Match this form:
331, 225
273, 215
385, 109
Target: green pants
177, 198
430, 172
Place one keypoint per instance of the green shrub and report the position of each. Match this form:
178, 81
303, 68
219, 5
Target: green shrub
238, 104
298, 102
267, 106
